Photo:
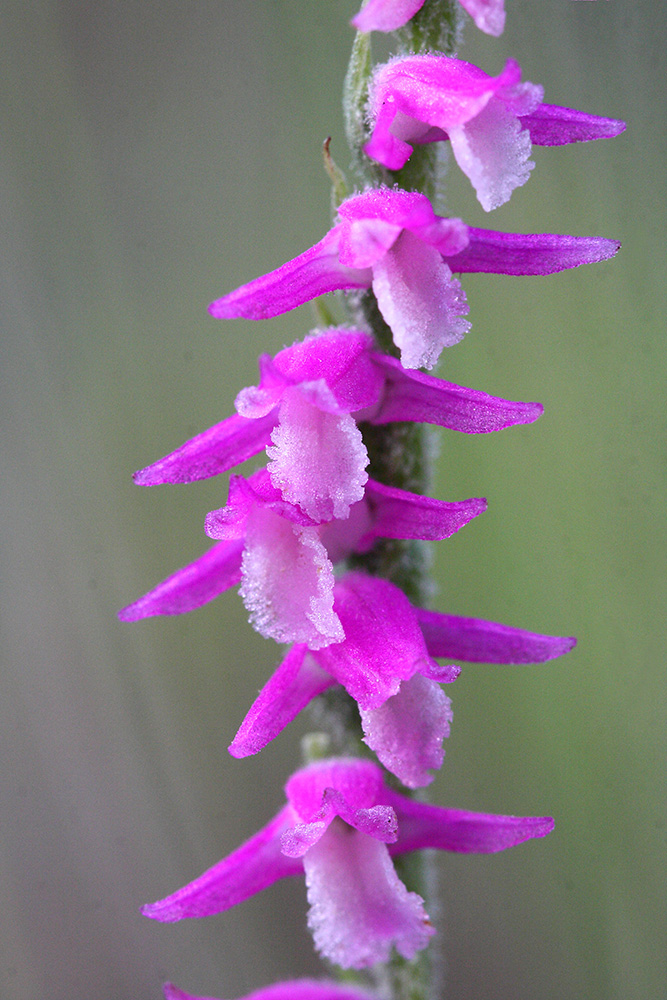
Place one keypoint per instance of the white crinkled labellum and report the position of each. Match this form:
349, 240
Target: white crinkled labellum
359, 908
288, 581
493, 151
318, 458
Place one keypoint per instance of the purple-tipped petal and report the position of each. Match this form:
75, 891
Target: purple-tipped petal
213, 451
293, 989
406, 733
254, 866
313, 273
550, 125
192, 586
423, 826
534, 253
359, 782
385, 15
295, 683
414, 396
373, 221
359, 908
399, 514
476, 641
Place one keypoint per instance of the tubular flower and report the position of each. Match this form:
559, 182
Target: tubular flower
387, 15
489, 121
392, 241
294, 989
341, 826
305, 411
386, 664
263, 540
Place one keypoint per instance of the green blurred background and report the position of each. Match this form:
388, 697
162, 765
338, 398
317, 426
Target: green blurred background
153, 156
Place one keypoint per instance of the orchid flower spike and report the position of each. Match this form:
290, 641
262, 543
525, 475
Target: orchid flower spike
294, 989
341, 826
489, 121
392, 240
388, 15
304, 412
386, 664
263, 540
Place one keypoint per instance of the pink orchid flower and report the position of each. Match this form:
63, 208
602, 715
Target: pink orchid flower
388, 15
262, 540
294, 989
305, 410
386, 664
392, 241
340, 827
489, 121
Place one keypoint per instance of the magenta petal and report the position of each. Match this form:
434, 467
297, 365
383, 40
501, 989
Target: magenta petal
406, 733
423, 826
293, 989
383, 644
358, 781
359, 908
340, 358
534, 253
415, 396
193, 585
294, 684
313, 273
246, 496
399, 514
385, 15
550, 125
254, 866
213, 451
476, 641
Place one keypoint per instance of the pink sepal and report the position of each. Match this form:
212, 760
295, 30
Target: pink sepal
476, 641
313, 273
530, 253
254, 866
424, 826
398, 514
385, 15
294, 684
192, 586
415, 396
550, 125
215, 450
293, 989
383, 643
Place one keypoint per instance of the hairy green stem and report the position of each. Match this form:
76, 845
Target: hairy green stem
398, 455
